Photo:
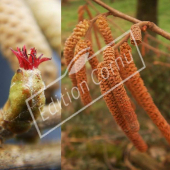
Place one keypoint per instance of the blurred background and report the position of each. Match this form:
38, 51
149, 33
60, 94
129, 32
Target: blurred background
34, 23
92, 140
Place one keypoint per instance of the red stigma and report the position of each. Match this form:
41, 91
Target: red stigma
28, 61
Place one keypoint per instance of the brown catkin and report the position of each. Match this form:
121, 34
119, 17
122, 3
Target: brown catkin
93, 61
114, 109
79, 31
81, 72
140, 92
135, 35
119, 92
106, 31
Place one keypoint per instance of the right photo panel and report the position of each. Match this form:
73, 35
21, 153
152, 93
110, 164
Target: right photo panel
115, 85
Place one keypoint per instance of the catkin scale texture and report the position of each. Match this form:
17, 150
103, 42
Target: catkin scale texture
141, 94
81, 72
135, 35
119, 92
79, 31
106, 31
17, 28
48, 16
109, 98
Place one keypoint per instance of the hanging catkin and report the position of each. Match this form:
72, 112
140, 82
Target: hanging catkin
119, 92
140, 92
114, 109
93, 61
135, 35
81, 72
106, 31
79, 31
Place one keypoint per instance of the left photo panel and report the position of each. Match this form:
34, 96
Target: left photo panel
30, 87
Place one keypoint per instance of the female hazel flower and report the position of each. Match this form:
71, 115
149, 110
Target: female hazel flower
26, 82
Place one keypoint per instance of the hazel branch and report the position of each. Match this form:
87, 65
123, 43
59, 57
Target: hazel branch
41, 156
161, 63
50, 122
153, 27
94, 28
155, 49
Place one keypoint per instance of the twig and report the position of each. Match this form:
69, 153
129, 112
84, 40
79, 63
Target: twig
145, 161
40, 156
156, 40
116, 25
94, 28
50, 122
91, 4
104, 137
126, 158
155, 49
98, 12
153, 27
122, 41
116, 13
161, 63
105, 154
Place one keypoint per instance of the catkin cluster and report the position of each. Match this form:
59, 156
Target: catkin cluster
81, 72
110, 74
140, 92
111, 102
79, 31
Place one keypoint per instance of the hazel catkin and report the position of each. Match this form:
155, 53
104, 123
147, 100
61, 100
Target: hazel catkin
81, 72
104, 29
79, 31
135, 35
134, 137
119, 92
106, 32
136, 86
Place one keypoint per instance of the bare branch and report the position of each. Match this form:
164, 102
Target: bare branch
155, 49
153, 27
52, 120
40, 156
161, 63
